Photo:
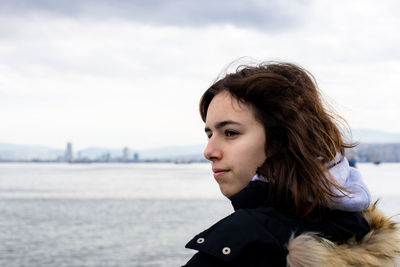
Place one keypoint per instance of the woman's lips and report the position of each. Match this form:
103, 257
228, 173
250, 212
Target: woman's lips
219, 173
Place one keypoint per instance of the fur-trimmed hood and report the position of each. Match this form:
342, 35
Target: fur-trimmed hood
379, 248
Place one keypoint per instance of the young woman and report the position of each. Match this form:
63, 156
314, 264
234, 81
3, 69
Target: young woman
277, 154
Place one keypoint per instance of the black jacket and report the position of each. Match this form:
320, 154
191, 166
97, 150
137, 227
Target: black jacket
258, 232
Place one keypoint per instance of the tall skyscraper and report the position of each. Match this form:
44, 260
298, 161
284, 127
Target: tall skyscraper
125, 154
68, 152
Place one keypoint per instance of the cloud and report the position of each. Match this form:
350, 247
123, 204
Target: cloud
272, 15
69, 72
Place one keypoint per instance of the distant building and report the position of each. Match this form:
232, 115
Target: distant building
378, 152
106, 157
136, 156
125, 154
68, 152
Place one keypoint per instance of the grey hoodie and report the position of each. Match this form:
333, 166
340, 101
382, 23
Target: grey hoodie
350, 178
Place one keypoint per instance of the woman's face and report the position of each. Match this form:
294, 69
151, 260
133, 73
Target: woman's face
236, 143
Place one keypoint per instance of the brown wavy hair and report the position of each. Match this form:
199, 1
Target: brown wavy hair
302, 137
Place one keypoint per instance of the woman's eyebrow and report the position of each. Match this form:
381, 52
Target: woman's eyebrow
221, 124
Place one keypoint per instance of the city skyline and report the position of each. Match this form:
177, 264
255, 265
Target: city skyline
375, 152
129, 73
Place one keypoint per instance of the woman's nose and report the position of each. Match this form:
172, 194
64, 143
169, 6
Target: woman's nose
213, 151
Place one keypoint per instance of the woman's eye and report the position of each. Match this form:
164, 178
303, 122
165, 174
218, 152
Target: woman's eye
230, 133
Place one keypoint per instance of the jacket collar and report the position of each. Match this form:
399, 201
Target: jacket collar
254, 195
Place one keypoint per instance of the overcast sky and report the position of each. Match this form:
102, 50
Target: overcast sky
130, 73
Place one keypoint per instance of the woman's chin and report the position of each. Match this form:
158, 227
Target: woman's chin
225, 191
228, 192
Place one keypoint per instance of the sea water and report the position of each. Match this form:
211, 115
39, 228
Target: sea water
122, 214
